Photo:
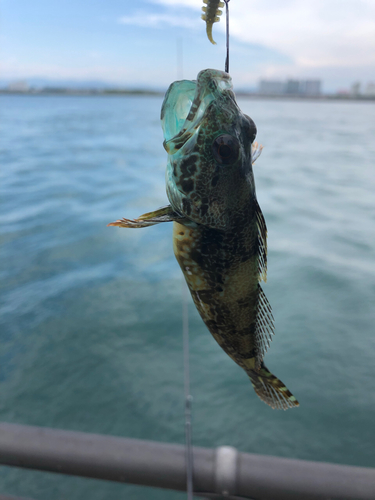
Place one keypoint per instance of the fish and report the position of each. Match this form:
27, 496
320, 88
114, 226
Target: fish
219, 232
211, 14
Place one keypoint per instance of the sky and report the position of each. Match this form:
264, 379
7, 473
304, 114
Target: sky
150, 43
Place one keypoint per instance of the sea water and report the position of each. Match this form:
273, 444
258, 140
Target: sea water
91, 328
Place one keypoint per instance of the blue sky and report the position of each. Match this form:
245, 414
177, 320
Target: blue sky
135, 43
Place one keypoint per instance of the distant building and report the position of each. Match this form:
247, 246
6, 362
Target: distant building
290, 87
271, 87
18, 86
356, 88
370, 89
312, 87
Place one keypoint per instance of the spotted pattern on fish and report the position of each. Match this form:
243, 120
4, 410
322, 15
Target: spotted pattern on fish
219, 232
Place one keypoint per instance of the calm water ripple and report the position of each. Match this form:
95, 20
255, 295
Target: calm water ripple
91, 316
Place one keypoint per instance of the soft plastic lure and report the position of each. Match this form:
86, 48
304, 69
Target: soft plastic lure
211, 14
219, 233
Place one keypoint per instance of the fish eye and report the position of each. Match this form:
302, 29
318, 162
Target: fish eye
226, 149
252, 129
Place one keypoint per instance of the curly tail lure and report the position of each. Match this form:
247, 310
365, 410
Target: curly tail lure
211, 14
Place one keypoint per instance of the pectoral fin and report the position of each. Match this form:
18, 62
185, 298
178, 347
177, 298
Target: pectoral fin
164, 214
256, 150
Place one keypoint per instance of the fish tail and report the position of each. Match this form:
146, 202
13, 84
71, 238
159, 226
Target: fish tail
271, 390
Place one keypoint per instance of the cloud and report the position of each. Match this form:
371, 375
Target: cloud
333, 41
192, 4
314, 33
146, 20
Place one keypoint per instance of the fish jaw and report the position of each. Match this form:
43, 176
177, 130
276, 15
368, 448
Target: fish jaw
189, 99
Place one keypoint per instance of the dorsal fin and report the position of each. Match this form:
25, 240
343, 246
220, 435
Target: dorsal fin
264, 326
262, 243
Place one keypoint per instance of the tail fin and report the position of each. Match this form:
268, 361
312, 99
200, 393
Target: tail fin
271, 390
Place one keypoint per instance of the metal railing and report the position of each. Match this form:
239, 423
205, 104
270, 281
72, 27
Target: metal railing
222, 472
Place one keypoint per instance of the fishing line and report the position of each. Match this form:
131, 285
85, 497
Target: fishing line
185, 326
188, 397
227, 35
180, 58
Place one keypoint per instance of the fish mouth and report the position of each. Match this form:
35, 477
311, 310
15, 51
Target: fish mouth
185, 104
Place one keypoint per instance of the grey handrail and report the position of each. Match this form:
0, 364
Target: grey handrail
221, 471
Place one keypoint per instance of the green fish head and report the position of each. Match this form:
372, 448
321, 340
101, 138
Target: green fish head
208, 140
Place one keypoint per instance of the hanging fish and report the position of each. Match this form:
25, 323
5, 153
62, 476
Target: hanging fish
219, 233
211, 14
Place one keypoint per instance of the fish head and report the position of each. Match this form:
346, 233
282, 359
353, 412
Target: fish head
208, 140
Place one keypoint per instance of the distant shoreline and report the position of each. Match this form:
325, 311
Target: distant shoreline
83, 92
297, 97
140, 92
